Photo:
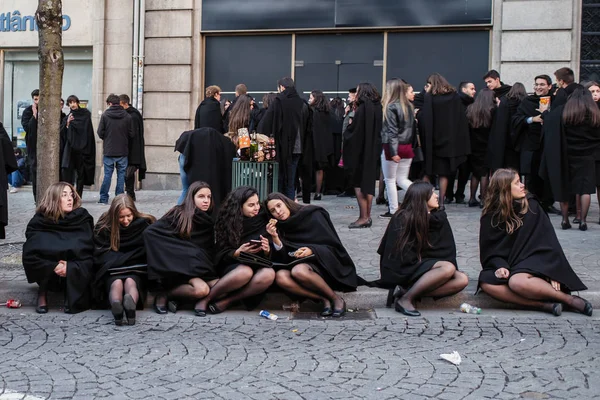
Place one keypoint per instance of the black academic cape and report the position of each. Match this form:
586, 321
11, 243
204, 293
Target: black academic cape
562, 95
80, 144
265, 125
502, 91
289, 116
554, 167
9, 161
208, 115
322, 137
174, 260
137, 144
29, 123
362, 146
208, 156
444, 129
526, 136
501, 151
70, 239
311, 227
131, 252
533, 248
252, 229
403, 266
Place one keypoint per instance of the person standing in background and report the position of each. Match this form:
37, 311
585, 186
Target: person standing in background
136, 158
29, 123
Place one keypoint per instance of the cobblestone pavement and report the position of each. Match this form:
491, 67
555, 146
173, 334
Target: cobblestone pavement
505, 355
581, 248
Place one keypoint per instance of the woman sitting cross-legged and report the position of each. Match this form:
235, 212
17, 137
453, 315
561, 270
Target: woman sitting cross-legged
121, 257
180, 249
418, 252
523, 262
240, 228
58, 253
302, 231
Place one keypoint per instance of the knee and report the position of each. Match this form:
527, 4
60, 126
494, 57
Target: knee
283, 278
301, 272
461, 279
201, 290
244, 272
265, 277
517, 283
448, 269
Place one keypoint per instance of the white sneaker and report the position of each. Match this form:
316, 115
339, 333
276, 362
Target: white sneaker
13, 190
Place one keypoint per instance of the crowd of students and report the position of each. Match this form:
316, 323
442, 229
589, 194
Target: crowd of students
212, 262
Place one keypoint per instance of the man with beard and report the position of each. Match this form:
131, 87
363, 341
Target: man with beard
29, 123
493, 82
527, 128
136, 159
79, 154
291, 121
466, 91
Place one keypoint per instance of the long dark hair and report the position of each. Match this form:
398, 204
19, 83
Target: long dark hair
517, 92
439, 85
479, 113
291, 205
320, 101
229, 224
581, 109
414, 218
366, 91
337, 106
239, 116
184, 214
499, 202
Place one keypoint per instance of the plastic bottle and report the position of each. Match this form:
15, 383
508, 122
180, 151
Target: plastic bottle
268, 315
469, 309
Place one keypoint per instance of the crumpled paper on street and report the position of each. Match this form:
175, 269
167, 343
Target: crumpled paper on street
453, 357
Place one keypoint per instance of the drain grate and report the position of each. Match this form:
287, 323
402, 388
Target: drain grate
356, 315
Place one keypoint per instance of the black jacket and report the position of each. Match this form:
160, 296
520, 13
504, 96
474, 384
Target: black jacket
29, 123
397, 128
208, 115
115, 129
137, 155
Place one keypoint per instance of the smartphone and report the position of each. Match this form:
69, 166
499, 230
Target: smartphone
256, 242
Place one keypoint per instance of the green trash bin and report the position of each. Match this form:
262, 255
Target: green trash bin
263, 176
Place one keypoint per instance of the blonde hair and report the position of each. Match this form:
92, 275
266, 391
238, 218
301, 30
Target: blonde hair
50, 204
499, 201
213, 90
395, 92
110, 219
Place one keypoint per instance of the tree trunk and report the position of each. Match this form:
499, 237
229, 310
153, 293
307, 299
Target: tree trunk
49, 21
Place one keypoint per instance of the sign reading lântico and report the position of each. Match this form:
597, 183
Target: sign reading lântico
14, 22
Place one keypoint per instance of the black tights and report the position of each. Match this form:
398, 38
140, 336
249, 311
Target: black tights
120, 287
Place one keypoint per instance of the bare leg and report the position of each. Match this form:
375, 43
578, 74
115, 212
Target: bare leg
304, 274
284, 280
438, 275
232, 281
319, 181
116, 292
261, 280
534, 288
584, 204
504, 294
456, 284
132, 289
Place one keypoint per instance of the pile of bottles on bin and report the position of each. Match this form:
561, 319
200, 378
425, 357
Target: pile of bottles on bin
253, 149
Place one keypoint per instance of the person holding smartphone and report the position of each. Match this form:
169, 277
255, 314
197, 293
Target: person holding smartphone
240, 228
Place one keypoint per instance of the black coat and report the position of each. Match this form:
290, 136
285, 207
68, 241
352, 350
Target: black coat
80, 144
265, 125
8, 160
443, 124
208, 156
252, 229
402, 266
70, 239
527, 136
115, 129
174, 260
311, 227
322, 137
533, 248
29, 123
502, 91
208, 115
137, 144
362, 146
501, 151
562, 94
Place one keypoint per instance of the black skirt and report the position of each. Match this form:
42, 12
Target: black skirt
582, 175
477, 165
445, 166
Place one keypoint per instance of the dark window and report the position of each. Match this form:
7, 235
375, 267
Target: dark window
590, 41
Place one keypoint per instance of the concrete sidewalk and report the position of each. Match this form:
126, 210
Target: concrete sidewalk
581, 249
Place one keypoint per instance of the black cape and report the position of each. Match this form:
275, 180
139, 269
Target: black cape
527, 136
8, 160
252, 229
562, 95
501, 151
312, 227
30, 126
137, 144
131, 252
502, 91
208, 115
322, 137
173, 260
402, 266
362, 146
533, 248
444, 129
80, 144
208, 156
265, 125
554, 167
70, 239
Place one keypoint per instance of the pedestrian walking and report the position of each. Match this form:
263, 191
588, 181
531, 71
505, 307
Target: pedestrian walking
322, 137
136, 158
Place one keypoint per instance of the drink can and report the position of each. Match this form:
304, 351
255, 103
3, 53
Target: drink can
268, 315
13, 303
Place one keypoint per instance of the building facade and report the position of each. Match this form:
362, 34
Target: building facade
163, 53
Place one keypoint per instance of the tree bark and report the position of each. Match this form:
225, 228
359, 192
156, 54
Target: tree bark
50, 52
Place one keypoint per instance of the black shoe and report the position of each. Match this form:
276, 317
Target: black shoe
103, 202
337, 313
326, 312
354, 225
386, 215
172, 306
583, 226
159, 309
576, 220
317, 196
447, 200
380, 201
588, 309
565, 225
393, 295
473, 203
41, 309
556, 309
214, 309
410, 313
129, 306
116, 307
442, 208
460, 200
199, 312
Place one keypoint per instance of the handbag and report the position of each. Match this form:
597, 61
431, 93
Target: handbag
254, 261
418, 150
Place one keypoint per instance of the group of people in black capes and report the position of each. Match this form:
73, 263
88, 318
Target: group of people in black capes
192, 257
